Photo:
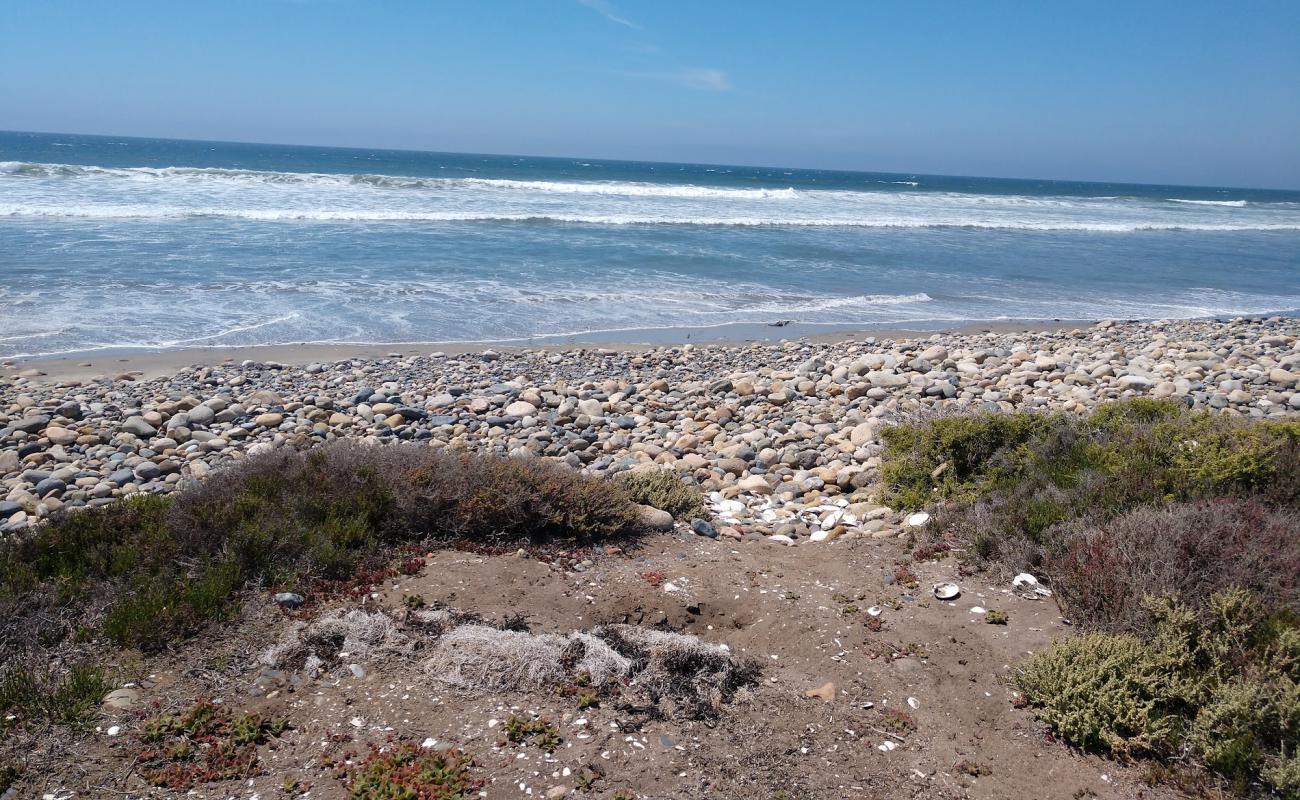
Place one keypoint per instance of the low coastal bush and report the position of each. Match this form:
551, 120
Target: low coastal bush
1221, 684
1036, 469
1192, 550
290, 518
1171, 536
1004, 483
663, 490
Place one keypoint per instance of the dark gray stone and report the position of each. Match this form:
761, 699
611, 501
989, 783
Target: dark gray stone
50, 486
704, 528
30, 424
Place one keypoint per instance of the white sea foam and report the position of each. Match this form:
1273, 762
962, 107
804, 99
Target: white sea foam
164, 193
191, 174
628, 189
1224, 203
145, 212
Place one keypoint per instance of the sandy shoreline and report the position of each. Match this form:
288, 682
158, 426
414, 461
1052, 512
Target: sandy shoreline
146, 364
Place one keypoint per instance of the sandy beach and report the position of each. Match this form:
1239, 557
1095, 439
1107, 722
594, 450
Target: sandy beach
144, 364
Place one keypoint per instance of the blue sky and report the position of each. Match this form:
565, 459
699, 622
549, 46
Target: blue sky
1185, 91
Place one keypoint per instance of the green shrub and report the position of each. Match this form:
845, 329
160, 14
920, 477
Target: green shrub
1210, 683
1008, 482
68, 699
963, 446
290, 518
663, 490
1125, 454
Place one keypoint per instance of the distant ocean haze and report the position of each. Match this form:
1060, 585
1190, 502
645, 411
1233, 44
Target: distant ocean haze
109, 243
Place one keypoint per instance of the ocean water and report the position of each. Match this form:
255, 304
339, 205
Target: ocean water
112, 243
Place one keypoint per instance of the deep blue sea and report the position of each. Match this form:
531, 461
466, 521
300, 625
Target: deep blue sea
109, 243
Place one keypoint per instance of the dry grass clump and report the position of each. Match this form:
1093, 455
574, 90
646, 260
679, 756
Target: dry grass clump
358, 633
290, 518
666, 673
49, 695
1221, 684
678, 674
477, 658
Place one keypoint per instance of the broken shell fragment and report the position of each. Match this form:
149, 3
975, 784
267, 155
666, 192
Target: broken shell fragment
826, 692
946, 591
875, 611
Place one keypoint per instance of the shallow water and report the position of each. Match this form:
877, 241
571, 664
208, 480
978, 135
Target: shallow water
111, 243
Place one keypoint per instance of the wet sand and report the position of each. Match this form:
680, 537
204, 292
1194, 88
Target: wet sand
144, 364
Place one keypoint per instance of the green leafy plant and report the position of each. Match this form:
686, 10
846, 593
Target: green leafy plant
409, 772
204, 743
537, 731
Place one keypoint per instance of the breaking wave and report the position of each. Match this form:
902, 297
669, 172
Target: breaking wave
144, 212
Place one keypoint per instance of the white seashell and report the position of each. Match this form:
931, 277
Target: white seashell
875, 611
1024, 581
946, 591
977, 610
913, 702
886, 746
918, 519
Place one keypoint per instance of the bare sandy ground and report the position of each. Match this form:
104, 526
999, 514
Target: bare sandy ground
799, 612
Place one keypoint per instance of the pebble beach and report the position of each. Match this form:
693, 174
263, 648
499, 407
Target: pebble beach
783, 437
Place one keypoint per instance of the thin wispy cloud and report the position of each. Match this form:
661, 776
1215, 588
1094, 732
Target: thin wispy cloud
603, 8
713, 80
705, 79
698, 78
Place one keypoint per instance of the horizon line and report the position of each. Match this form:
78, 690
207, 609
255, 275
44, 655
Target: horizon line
655, 161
